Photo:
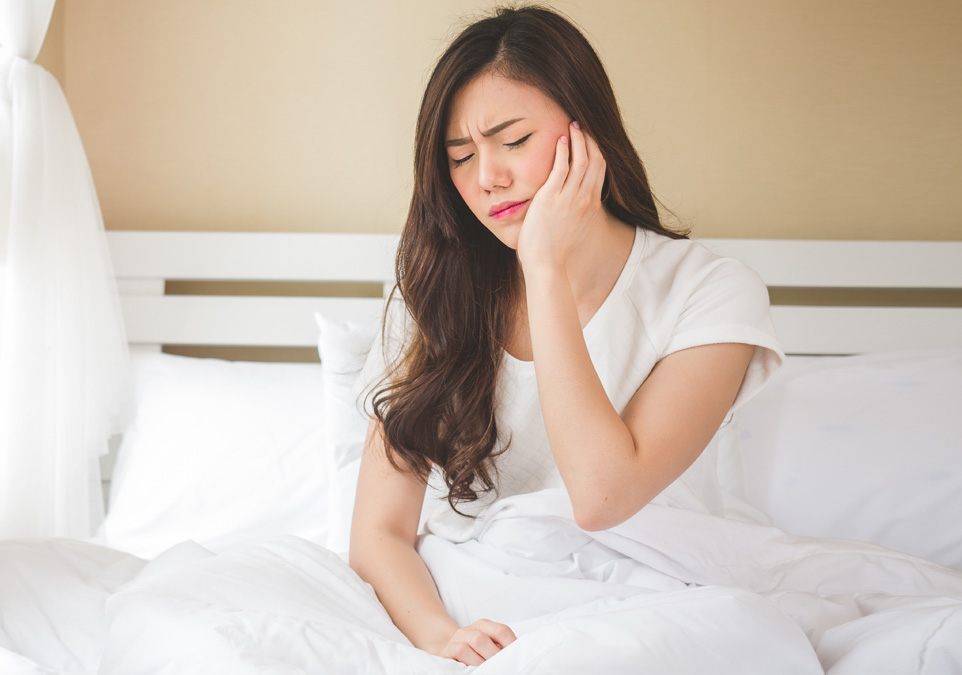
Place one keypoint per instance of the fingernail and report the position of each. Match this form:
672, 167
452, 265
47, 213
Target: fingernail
564, 140
576, 125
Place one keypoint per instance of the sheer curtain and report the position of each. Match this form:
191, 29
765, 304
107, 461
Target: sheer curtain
63, 353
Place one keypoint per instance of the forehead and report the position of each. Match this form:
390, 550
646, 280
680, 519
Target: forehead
489, 99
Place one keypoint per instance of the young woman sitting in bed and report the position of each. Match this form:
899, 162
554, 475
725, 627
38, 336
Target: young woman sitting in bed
554, 333
551, 393
555, 380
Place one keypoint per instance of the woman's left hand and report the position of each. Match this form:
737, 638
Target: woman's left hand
562, 210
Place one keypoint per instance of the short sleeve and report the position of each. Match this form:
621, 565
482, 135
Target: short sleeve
730, 304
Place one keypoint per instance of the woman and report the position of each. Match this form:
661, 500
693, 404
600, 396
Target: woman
559, 371
539, 283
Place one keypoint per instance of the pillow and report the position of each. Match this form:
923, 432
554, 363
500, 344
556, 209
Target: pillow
220, 452
343, 347
354, 359
863, 447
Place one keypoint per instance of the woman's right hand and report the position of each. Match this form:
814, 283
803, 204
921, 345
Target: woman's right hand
383, 553
474, 644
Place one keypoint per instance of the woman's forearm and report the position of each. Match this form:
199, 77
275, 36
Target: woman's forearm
383, 538
404, 586
592, 446
613, 464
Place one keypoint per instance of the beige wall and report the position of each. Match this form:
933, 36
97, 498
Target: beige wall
767, 118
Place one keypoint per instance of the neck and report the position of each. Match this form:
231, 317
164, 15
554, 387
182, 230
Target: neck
599, 261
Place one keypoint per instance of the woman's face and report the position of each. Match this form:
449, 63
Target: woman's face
501, 137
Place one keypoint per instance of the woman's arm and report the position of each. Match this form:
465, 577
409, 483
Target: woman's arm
382, 552
611, 465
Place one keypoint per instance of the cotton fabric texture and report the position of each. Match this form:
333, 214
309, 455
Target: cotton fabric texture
691, 583
672, 294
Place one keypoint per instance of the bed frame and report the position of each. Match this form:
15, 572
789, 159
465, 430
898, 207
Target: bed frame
148, 264
145, 261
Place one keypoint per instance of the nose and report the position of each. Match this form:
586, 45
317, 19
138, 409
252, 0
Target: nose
493, 171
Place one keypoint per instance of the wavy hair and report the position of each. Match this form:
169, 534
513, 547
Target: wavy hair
458, 282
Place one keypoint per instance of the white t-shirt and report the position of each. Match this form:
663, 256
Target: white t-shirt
671, 295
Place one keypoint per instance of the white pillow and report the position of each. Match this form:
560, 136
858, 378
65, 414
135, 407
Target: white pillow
865, 447
343, 347
354, 359
220, 452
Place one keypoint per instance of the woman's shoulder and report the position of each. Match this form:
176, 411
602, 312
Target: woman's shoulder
672, 266
688, 295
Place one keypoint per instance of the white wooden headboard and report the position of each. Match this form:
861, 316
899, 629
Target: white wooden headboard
888, 265
143, 261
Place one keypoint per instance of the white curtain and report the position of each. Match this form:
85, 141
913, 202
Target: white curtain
63, 352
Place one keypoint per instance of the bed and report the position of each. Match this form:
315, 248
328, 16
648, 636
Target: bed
857, 438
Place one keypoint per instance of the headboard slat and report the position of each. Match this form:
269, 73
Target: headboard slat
238, 256
848, 264
234, 320
859, 330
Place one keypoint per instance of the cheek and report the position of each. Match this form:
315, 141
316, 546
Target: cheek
460, 184
539, 162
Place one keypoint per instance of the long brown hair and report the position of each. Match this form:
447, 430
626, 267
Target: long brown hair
459, 284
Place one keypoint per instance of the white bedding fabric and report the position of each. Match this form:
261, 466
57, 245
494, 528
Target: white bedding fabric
221, 452
667, 591
861, 447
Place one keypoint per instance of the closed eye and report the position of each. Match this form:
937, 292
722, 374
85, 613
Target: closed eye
518, 143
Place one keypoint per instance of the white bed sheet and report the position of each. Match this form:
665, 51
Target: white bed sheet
669, 590
863, 447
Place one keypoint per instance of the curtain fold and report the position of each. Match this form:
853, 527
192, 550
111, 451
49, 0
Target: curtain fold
63, 353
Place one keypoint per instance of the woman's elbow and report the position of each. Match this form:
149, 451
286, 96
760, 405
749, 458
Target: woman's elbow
602, 514
593, 522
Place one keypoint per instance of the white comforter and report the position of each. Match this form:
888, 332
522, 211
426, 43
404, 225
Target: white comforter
667, 591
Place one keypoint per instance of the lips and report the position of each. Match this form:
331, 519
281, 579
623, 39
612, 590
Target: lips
505, 208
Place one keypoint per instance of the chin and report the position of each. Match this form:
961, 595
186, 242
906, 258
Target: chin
507, 235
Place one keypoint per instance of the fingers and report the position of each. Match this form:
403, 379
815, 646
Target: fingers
587, 163
578, 162
594, 179
471, 647
483, 645
498, 632
579, 156
478, 642
465, 654
559, 170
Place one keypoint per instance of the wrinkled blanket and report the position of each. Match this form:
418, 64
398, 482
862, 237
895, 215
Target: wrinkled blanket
666, 591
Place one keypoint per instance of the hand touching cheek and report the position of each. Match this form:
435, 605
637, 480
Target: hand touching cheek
567, 205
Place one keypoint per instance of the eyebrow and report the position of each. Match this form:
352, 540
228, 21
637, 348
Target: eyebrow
490, 132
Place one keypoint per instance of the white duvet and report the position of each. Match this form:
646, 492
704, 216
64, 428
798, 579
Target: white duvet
667, 591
